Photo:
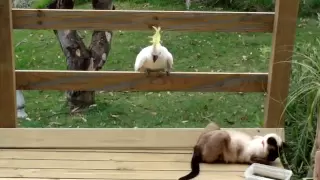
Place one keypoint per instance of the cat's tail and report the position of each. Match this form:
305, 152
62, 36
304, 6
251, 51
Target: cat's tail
195, 164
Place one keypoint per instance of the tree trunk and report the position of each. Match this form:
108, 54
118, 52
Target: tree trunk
78, 56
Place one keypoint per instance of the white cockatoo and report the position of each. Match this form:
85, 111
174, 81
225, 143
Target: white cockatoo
21, 113
154, 58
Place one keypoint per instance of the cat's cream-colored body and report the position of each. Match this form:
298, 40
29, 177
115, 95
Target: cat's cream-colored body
229, 146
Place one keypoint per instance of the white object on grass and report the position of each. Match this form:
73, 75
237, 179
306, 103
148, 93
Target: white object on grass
21, 113
264, 172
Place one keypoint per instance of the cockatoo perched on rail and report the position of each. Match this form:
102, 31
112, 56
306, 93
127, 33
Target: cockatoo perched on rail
154, 58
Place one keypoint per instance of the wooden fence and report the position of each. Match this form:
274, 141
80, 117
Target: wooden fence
282, 23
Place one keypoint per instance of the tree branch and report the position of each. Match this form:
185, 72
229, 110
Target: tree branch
101, 40
78, 56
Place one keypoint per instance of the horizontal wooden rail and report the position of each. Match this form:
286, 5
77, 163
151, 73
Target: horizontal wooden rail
134, 81
141, 138
142, 20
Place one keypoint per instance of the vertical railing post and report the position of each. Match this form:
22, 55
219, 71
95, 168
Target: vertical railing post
284, 32
7, 68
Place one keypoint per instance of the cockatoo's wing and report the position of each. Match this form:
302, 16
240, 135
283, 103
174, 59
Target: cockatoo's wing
169, 60
140, 60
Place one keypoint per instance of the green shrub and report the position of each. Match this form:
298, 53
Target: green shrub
303, 104
22, 3
307, 7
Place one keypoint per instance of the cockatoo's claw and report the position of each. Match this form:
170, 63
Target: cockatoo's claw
168, 73
147, 72
162, 72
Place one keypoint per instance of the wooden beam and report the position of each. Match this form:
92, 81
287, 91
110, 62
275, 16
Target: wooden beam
280, 63
135, 81
142, 20
8, 107
111, 138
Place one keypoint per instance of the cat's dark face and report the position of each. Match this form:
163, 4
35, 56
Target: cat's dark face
274, 149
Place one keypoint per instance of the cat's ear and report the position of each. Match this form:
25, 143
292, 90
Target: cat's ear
272, 142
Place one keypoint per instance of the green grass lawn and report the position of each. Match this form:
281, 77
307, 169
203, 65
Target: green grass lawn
207, 51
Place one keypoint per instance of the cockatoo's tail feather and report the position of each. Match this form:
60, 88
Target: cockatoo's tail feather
156, 38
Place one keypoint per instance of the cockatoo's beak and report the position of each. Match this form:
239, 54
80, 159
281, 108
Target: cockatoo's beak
155, 57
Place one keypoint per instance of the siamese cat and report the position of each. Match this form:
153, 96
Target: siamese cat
228, 146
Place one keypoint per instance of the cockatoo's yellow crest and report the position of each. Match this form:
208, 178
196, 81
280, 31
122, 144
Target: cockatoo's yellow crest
156, 38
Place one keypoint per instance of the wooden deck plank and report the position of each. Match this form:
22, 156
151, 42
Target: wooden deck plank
31, 179
114, 174
142, 20
49, 179
98, 157
118, 138
116, 165
131, 151
46, 179
138, 166
94, 156
135, 81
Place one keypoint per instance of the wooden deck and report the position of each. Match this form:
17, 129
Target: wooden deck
113, 154
42, 164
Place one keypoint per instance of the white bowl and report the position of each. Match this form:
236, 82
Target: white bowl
264, 172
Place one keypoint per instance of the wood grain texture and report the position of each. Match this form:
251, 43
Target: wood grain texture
143, 20
280, 63
111, 165
22, 178
115, 174
101, 138
135, 81
7, 66
95, 155
35, 179
158, 151
98, 156
81, 164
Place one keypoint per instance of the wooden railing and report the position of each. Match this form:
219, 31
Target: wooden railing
276, 82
